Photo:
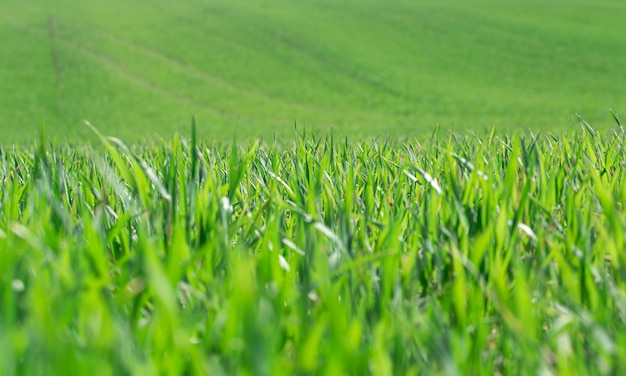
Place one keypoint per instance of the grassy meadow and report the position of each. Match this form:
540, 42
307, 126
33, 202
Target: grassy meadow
442, 208
360, 67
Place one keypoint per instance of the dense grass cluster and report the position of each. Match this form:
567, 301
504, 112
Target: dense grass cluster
461, 255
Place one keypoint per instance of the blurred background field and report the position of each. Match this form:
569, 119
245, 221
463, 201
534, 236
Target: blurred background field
141, 69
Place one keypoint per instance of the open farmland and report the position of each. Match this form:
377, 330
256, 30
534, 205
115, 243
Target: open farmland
446, 211
362, 67
461, 255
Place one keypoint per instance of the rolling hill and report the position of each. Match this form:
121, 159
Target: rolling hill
141, 69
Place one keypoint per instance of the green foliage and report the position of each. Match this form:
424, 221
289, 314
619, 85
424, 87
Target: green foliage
462, 255
256, 67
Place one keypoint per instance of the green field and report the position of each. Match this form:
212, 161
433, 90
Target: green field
140, 69
460, 256
441, 208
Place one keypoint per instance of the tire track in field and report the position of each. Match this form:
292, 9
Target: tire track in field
138, 79
205, 76
107, 62
324, 60
363, 116
120, 69
210, 78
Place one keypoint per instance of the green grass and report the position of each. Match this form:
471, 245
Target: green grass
461, 255
254, 68
412, 252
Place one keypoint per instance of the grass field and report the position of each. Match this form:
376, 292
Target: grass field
390, 245
399, 67
457, 256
